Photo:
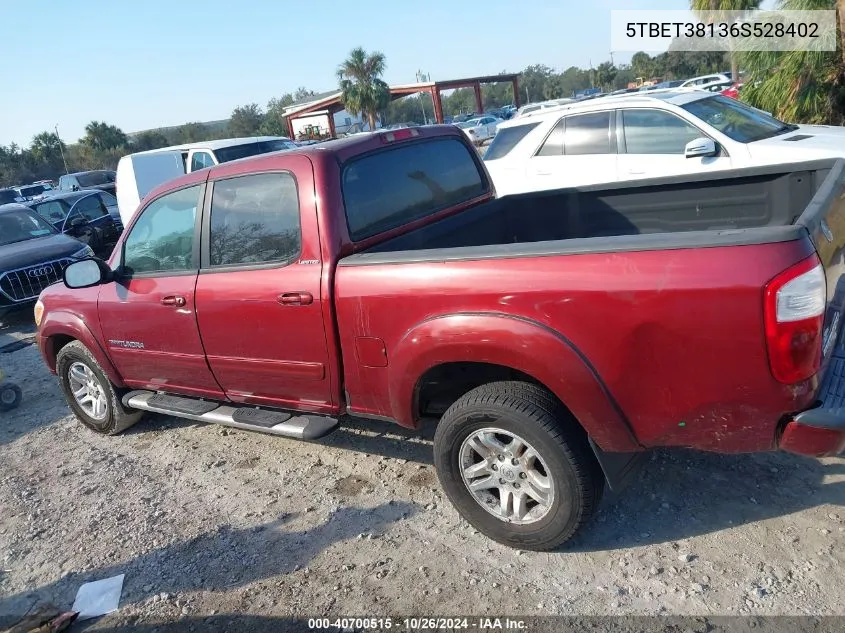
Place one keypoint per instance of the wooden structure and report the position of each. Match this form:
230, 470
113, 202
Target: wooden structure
331, 104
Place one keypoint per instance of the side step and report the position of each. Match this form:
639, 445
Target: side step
300, 427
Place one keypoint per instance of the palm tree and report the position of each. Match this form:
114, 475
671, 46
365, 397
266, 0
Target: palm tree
363, 90
722, 7
800, 86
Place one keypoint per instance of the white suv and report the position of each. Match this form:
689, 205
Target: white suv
647, 135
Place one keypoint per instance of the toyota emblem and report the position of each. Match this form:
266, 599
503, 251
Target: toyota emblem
43, 271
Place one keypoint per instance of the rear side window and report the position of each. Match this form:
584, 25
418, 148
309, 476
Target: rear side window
553, 146
53, 210
588, 134
201, 160
384, 190
254, 220
506, 139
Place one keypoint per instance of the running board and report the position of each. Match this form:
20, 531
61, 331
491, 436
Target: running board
300, 427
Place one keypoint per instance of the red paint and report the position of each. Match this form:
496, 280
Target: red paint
646, 348
732, 91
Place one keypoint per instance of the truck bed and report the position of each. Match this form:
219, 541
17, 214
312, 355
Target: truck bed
656, 287
701, 210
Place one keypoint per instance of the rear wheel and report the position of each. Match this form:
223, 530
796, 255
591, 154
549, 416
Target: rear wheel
517, 466
90, 394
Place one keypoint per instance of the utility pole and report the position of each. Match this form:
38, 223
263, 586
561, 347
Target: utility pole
61, 149
421, 77
611, 58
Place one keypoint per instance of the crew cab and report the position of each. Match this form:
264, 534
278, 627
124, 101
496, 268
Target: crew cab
554, 336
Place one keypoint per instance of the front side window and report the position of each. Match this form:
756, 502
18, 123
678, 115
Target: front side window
588, 134
162, 239
656, 132
254, 220
390, 188
201, 160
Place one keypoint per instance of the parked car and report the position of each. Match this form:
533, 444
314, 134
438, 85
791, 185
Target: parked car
480, 129
732, 91
29, 192
33, 255
648, 135
697, 82
9, 195
82, 215
556, 336
139, 173
102, 179
532, 108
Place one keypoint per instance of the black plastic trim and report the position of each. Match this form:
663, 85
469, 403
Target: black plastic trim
592, 245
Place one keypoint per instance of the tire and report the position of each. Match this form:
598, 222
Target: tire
564, 461
116, 418
10, 396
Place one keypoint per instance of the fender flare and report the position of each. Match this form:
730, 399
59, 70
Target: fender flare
62, 323
518, 343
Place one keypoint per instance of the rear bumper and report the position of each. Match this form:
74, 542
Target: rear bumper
820, 431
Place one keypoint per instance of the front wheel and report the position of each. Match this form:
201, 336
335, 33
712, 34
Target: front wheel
517, 466
89, 392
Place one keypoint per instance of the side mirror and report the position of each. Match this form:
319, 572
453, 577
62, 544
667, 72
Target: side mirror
77, 222
701, 147
86, 273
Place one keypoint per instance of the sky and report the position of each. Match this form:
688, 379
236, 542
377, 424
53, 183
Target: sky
156, 63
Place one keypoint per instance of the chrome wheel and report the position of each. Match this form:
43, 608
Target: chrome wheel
87, 391
506, 476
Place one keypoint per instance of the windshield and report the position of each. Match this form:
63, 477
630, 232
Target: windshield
736, 120
19, 226
7, 196
225, 154
94, 178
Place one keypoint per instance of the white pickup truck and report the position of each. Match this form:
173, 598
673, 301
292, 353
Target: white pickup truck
140, 173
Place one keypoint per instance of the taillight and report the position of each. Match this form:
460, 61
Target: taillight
400, 134
794, 318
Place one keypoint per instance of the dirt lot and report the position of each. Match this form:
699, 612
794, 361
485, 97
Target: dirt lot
205, 521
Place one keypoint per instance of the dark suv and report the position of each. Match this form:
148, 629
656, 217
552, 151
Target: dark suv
33, 255
82, 215
102, 179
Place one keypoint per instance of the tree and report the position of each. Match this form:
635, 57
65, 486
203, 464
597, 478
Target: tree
46, 148
363, 90
798, 86
191, 133
246, 120
532, 83
721, 7
103, 137
643, 65
302, 93
605, 74
150, 139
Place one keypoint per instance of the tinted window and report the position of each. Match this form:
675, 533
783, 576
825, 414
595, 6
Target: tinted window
19, 226
656, 132
53, 210
94, 178
553, 145
7, 196
90, 208
32, 190
390, 188
108, 199
201, 160
162, 239
235, 152
588, 134
254, 220
506, 139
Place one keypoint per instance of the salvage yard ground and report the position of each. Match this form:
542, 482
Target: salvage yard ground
206, 521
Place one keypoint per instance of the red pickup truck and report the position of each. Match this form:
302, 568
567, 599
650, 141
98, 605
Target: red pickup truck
555, 336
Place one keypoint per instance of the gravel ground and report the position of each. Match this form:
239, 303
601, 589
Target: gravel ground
205, 521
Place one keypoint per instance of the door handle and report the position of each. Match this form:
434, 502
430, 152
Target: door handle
173, 300
542, 172
636, 171
296, 299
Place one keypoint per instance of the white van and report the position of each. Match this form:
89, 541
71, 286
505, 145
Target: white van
140, 173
